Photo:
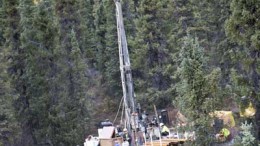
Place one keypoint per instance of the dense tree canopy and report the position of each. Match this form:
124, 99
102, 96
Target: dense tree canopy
60, 76
243, 27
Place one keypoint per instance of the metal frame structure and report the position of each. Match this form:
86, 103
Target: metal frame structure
125, 69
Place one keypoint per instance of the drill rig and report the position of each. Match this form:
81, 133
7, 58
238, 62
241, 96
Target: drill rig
131, 117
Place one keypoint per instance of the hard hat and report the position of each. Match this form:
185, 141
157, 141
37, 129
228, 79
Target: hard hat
161, 124
125, 130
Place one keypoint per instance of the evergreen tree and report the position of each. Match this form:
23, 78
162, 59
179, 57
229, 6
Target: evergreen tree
42, 40
194, 100
87, 30
181, 20
8, 123
20, 76
49, 50
38, 43
242, 27
70, 114
9, 44
112, 71
100, 31
152, 53
209, 28
205, 20
129, 10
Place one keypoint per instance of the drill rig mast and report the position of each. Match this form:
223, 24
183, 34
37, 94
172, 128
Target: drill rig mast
125, 69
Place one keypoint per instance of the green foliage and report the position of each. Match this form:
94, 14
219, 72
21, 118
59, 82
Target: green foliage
112, 72
8, 122
59, 62
69, 116
129, 10
100, 30
240, 84
182, 19
194, 100
243, 24
215, 92
242, 27
9, 19
86, 30
69, 112
191, 72
246, 138
37, 37
151, 54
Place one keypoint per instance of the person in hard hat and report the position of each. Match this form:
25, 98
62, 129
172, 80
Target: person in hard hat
164, 130
223, 134
127, 137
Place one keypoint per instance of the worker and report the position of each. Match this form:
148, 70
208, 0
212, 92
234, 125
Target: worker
126, 137
119, 131
164, 130
223, 135
225, 132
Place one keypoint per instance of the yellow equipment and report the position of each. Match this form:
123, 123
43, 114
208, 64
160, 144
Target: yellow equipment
248, 112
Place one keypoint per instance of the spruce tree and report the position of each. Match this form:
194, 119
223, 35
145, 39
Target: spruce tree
242, 27
8, 123
193, 97
112, 71
42, 40
9, 45
151, 53
87, 30
129, 10
209, 28
182, 20
21, 76
100, 31
70, 113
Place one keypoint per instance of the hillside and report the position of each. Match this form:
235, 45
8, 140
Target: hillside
60, 71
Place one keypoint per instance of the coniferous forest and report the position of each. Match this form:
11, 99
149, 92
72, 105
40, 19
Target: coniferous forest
59, 70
